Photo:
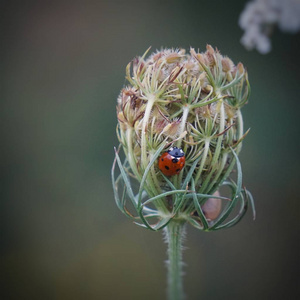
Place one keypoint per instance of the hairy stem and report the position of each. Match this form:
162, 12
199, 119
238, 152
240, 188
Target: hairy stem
174, 233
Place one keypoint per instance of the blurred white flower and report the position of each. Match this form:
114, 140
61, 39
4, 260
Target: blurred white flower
259, 18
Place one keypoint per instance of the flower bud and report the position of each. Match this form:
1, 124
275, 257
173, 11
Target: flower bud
212, 207
227, 64
190, 102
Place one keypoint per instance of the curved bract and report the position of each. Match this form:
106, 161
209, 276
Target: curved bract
191, 101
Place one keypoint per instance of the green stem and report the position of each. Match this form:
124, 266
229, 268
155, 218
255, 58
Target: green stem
130, 154
174, 233
148, 110
186, 110
240, 129
203, 160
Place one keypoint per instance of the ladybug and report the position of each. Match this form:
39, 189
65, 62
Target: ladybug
172, 161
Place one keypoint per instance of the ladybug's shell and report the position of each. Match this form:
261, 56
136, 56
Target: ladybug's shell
170, 165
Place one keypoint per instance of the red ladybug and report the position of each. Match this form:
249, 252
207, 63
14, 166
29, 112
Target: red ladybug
172, 161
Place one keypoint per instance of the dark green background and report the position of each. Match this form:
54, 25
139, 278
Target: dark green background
62, 237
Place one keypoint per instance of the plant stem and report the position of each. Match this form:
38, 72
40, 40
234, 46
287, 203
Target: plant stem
174, 233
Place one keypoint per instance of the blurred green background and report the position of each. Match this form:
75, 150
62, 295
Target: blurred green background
62, 236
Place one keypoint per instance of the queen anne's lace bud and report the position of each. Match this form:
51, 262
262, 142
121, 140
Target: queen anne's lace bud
192, 101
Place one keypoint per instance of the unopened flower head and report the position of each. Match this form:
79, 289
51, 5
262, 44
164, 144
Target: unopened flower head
191, 101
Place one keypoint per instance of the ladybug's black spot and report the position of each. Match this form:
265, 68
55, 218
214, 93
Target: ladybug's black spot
167, 167
177, 170
162, 159
174, 160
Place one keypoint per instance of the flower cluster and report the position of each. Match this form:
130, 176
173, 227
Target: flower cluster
192, 101
260, 16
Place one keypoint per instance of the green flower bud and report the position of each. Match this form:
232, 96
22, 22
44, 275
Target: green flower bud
191, 101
